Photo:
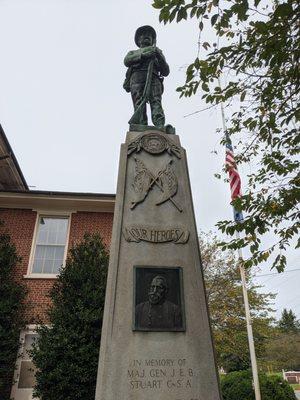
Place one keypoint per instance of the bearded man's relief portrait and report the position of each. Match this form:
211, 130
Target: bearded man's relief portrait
158, 299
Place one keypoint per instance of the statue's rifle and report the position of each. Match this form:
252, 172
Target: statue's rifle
135, 119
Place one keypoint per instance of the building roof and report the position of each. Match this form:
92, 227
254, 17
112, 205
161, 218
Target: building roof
60, 194
11, 176
42, 200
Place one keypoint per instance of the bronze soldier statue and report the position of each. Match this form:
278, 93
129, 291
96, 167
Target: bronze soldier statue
147, 68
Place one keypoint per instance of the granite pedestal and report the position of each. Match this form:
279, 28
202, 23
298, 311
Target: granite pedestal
156, 337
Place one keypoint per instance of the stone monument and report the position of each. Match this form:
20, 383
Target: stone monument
156, 337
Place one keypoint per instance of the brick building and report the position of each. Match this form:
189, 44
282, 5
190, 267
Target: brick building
43, 225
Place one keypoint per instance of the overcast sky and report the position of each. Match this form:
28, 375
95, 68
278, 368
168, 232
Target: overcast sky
65, 112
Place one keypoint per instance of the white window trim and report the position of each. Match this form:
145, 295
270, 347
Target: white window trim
30, 329
49, 214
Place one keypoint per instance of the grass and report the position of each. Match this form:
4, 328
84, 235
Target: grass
295, 386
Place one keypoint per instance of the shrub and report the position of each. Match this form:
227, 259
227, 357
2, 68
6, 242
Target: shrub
12, 295
238, 386
66, 352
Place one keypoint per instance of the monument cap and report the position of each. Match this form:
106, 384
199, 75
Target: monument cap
142, 29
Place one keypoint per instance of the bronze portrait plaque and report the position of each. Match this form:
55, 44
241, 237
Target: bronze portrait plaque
158, 299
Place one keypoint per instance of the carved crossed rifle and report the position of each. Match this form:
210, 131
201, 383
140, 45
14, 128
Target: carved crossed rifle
145, 180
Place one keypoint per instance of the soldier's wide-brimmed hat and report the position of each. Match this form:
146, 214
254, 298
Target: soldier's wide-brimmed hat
144, 28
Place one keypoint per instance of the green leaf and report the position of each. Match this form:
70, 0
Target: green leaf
158, 4
243, 95
205, 87
261, 27
197, 63
193, 11
172, 15
283, 10
214, 19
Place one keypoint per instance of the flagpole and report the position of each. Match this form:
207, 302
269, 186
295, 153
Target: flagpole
249, 325
246, 300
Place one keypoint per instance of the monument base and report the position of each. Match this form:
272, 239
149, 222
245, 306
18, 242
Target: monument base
169, 129
156, 337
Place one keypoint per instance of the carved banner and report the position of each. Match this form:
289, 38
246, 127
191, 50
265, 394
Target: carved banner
144, 180
155, 235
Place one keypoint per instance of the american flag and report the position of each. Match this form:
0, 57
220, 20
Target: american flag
234, 177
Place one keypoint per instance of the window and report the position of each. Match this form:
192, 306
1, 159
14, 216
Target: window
27, 369
50, 244
24, 376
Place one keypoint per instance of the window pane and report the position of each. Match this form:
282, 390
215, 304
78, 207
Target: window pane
52, 230
40, 252
42, 233
37, 266
56, 266
48, 259
29, 339
48, 267
59, 253
44, 228
49, 252
52, 236
62, 231
27, 378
